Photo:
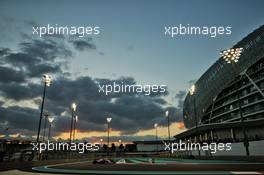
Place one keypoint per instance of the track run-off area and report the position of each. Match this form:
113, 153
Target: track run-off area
156, 166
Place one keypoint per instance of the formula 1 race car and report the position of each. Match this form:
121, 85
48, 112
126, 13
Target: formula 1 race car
103, 161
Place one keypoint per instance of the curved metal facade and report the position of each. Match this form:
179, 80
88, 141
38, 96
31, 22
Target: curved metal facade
212, 87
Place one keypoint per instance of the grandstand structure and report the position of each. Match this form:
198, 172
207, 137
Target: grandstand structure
228, 102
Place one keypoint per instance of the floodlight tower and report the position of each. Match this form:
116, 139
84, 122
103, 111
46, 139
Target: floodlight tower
74, 126
167, 115
45, 125
50, 119
73, 107
108, 120
156, 128
47, 82
192, 93
231, 56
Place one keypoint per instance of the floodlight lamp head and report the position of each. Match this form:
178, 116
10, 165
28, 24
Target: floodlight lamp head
51, 119
46, 79
74, 106
192, 89
231, 55
109, 119
167, 113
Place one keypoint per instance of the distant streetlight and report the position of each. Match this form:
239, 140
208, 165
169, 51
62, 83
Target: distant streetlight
192, 93
50, 122
47, 83
73, 107
167, 114
109, 119
156, 128
74, 127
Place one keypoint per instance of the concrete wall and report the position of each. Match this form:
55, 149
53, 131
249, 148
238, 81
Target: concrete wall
256, 148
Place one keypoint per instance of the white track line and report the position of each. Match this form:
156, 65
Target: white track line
245, 172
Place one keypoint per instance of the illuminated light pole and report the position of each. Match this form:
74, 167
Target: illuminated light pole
156, 128
101, 144
50, 119
192, 93
232, 56
74, 127
47, 82
167, 114
168, 119
45, 126
73, 107
108, 120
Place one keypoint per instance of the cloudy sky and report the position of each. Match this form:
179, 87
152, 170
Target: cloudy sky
130, 48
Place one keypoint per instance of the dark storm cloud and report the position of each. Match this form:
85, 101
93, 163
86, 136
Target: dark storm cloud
4, 51
128, 110
19, 118
21, 60
131, 112
10, 75
40, 69
37, 57
159, 101
180, 94
17, 68
83, 88
180, 97
34, 58
17, 91
83, 45
47, 49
